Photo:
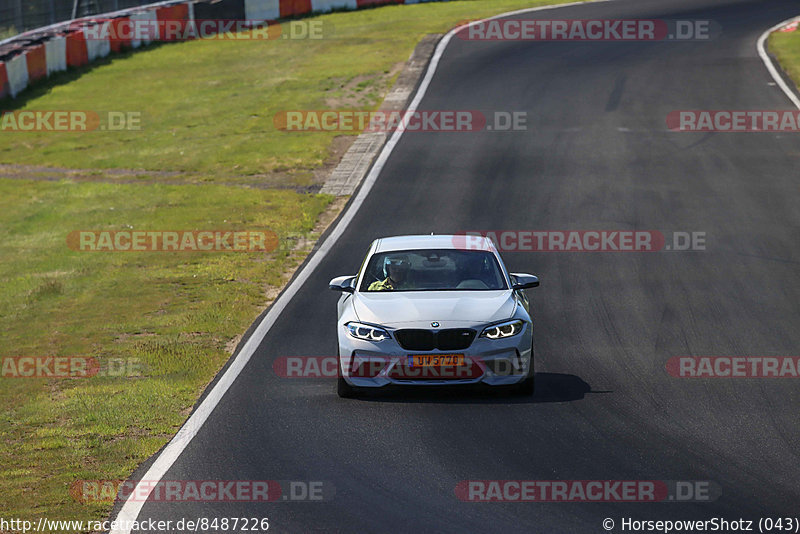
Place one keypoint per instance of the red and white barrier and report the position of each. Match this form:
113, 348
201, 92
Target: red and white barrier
121, 33
17, 69
172, 21
36, 60
4, 89
262, 9
323, 6
78, 47
56, 54
97, 47
77, 54
290, 8
145, 25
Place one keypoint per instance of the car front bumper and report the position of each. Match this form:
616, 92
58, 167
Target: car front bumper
494, 362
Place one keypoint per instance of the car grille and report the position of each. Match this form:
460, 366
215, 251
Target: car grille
448, 339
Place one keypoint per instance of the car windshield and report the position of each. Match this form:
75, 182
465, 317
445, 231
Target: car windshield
433, 270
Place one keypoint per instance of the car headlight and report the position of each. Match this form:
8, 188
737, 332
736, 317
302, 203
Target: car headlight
502, 330
367, 332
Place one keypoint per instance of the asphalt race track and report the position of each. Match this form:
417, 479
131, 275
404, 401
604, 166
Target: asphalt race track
597, 155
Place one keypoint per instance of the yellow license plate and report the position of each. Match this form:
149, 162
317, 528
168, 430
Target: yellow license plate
435, 360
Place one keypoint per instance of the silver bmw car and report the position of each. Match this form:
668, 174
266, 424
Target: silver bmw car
434, 310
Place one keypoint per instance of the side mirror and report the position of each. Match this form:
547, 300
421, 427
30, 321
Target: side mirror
524, 281
343, 283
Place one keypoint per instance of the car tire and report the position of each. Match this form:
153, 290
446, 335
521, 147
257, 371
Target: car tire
527, 386
343, 389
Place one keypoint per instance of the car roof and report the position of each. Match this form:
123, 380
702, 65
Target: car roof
421, 242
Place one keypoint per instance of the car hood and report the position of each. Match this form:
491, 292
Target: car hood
448, 308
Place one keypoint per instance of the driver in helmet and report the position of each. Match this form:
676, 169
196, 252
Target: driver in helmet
395, 269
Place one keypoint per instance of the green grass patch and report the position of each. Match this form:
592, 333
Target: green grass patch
207, 106
167, 315
785, 46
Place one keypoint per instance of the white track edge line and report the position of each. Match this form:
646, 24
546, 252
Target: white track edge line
130, 510
762, 52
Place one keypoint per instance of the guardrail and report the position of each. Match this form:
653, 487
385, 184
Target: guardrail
39, 53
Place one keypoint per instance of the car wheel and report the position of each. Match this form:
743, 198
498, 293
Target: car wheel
343, 389
527, 386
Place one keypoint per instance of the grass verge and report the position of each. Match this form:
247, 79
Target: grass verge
164, 320
207, 111
207, 107
785, 46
